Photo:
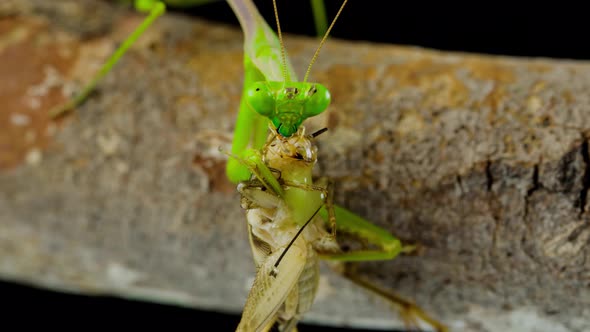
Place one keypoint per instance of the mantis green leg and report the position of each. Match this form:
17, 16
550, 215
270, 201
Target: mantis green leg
145, 5
319, 16
353, 224
251, 128
391, 247
251, 161
157, 9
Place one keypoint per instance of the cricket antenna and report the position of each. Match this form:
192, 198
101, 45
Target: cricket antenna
319, 132
323, 41
274, 270
283, 56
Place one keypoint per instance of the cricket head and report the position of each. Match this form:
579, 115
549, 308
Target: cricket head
294, 156
287, 105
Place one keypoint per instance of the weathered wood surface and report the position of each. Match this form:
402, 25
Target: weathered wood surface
483, 160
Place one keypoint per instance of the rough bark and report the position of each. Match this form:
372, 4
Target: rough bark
482, 160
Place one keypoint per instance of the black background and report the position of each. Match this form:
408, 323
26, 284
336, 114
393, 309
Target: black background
519, 28
557, 30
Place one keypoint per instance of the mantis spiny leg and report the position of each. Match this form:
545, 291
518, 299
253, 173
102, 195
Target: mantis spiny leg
353, 224
157, 9
391, 247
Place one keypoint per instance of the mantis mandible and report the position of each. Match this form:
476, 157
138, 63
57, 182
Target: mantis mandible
292, 221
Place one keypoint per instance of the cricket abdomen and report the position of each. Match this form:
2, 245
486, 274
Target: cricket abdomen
308, 282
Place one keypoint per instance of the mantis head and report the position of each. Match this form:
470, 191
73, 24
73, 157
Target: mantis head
287, 105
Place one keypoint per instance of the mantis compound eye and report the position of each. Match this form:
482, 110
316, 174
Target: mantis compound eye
318, 100
260, 98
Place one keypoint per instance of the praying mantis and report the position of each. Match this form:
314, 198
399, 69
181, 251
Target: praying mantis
286, 210
292, 220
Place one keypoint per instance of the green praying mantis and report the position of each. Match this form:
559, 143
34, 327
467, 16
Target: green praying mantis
292, 220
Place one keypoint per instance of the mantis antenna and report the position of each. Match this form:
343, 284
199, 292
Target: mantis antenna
283, 56
321, 42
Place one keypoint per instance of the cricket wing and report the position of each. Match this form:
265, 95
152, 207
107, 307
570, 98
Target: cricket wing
271, 287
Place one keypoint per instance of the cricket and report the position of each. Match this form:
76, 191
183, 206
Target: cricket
292, 219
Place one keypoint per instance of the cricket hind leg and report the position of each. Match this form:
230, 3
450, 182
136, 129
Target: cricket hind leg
288, 325
410, 313
284, 328
329, 203
387, 247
